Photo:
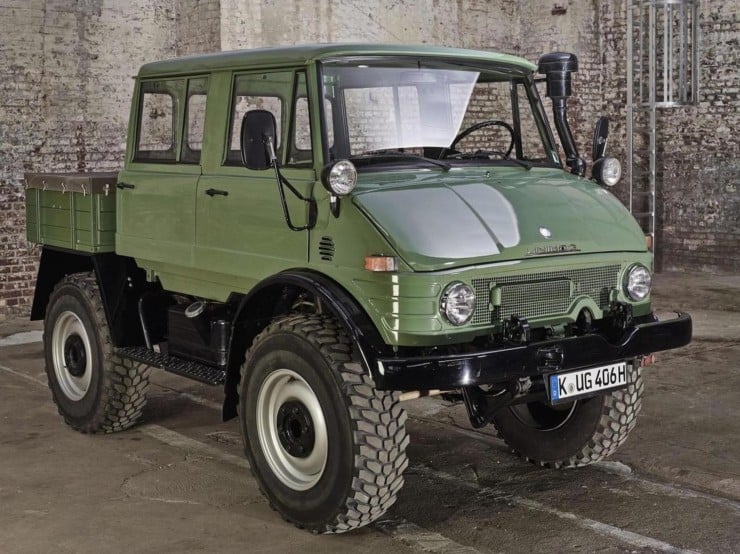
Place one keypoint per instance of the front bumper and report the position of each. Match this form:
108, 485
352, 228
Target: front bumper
529, 360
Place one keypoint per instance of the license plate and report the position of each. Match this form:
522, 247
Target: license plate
569, 386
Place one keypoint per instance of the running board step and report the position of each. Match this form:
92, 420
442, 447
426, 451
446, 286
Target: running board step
185, 368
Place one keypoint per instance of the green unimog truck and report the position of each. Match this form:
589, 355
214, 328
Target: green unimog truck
328, 231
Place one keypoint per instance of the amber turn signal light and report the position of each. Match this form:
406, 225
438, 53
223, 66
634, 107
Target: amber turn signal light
649, 242
381, 263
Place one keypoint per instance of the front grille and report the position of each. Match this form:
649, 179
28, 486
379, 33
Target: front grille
542, 294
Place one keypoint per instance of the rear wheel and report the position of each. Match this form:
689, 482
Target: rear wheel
574, 434
326, 447
93, 388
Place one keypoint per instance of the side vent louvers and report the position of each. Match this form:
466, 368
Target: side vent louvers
326, 249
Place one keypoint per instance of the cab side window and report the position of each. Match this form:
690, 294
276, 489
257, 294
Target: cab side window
195, 116
244, 103
302, 135
257, 91
284, 94
300, 152
157, 123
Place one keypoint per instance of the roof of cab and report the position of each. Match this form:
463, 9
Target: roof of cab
305, 54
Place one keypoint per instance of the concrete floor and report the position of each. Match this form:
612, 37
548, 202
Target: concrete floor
178, 481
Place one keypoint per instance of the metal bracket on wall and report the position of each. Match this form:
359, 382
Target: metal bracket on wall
662, 72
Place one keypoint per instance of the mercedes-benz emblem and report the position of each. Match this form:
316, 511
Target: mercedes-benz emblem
545, 232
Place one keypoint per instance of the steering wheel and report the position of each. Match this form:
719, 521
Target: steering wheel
482, 125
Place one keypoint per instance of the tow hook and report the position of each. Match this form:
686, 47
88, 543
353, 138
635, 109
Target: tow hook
622, 315
516, 329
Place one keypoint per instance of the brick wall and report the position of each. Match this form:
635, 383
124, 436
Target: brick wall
65, 68
20, 77
65, 89
697, 157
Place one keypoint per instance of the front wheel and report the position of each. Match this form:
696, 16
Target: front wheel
326, 447
573, 434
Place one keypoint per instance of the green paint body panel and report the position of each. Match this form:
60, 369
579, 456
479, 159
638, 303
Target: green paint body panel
479, 225
475, 216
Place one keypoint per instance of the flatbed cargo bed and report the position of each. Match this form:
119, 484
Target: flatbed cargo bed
72, 210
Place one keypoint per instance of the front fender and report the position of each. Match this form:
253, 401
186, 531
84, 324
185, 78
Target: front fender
273, 297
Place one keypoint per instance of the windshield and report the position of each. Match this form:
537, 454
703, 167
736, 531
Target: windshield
402, 111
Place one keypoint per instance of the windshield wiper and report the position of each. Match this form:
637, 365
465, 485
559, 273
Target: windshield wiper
401, 155
525, 165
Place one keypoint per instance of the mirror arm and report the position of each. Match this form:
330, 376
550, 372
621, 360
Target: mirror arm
601, 138
334, 205
282, 183
270, 150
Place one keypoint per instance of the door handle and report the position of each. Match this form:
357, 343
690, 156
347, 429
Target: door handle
125, 186
217, 192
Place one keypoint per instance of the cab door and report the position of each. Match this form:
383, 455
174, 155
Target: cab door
241, 233
157, 188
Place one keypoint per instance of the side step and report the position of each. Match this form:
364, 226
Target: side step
186, 368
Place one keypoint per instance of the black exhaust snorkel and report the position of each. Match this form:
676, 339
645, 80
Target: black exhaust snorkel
557, 68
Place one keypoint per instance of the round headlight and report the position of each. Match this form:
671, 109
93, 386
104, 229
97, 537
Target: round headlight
607, 171
340, 177
637, 282
458, 303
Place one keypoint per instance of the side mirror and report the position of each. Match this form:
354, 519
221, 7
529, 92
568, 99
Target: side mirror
258, 134
601, 134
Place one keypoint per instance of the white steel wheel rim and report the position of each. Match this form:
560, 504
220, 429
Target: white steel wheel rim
281, 387
66, 328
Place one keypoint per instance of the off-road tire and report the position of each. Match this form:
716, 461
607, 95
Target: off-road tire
365, 427
116, 394
596, 429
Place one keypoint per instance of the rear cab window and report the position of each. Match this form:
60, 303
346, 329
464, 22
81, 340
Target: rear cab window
157, 121
170, 120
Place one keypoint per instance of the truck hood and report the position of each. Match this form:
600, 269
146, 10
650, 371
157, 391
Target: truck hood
465, 217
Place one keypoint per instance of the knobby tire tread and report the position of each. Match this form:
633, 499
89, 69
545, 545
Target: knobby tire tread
126, 381
618, 418
377, 420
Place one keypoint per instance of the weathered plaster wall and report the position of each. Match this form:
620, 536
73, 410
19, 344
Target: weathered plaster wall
197, 26
65, 68
486, 24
